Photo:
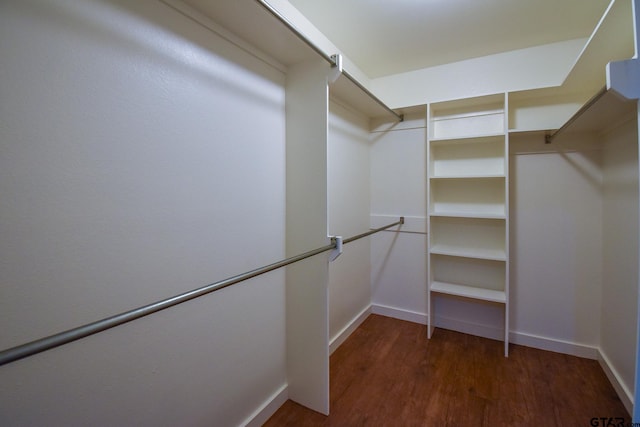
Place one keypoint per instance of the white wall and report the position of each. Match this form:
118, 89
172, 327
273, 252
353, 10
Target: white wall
348, 194
398, 187
556, 242
620, 250
142, 156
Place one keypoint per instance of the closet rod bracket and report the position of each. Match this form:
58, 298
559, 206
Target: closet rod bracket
336, 68
336, 61
337, 251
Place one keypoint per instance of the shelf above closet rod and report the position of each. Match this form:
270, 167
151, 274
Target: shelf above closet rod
602, 110
329, 58
548, 139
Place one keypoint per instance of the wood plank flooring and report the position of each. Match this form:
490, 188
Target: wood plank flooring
388, 374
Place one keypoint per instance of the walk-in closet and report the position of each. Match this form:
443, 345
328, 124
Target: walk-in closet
203, 201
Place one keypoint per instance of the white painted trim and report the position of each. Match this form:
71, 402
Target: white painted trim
399, 313
307, 310
623, 391
342, 336
440, 322
484, 331
552, 344
487, 331
268, 408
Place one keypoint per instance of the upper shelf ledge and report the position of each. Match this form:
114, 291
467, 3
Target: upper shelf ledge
334, 60
617, 99
599, 112
620, 94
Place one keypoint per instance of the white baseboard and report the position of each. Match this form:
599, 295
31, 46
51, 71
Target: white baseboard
491, 332
264, 412
623, 391
476, 329
341, 336
399, 313
440, 321
552, 344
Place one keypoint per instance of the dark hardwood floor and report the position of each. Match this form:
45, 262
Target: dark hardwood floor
388, 374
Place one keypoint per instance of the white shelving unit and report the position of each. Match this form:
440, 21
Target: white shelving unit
468, 204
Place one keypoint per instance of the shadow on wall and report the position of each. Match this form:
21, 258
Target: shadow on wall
151, 33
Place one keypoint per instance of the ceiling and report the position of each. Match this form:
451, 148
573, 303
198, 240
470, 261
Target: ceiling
384, 37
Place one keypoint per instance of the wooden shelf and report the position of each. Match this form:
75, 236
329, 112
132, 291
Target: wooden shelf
477, 253
469, 292
482, 156
475, 139
470, 176
466, 138
475, 272
478, 215
468, 185
467, 118
469, 237
483, 198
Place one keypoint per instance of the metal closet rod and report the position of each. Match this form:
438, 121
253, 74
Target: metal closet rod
56, 340
548, 139
330, 59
